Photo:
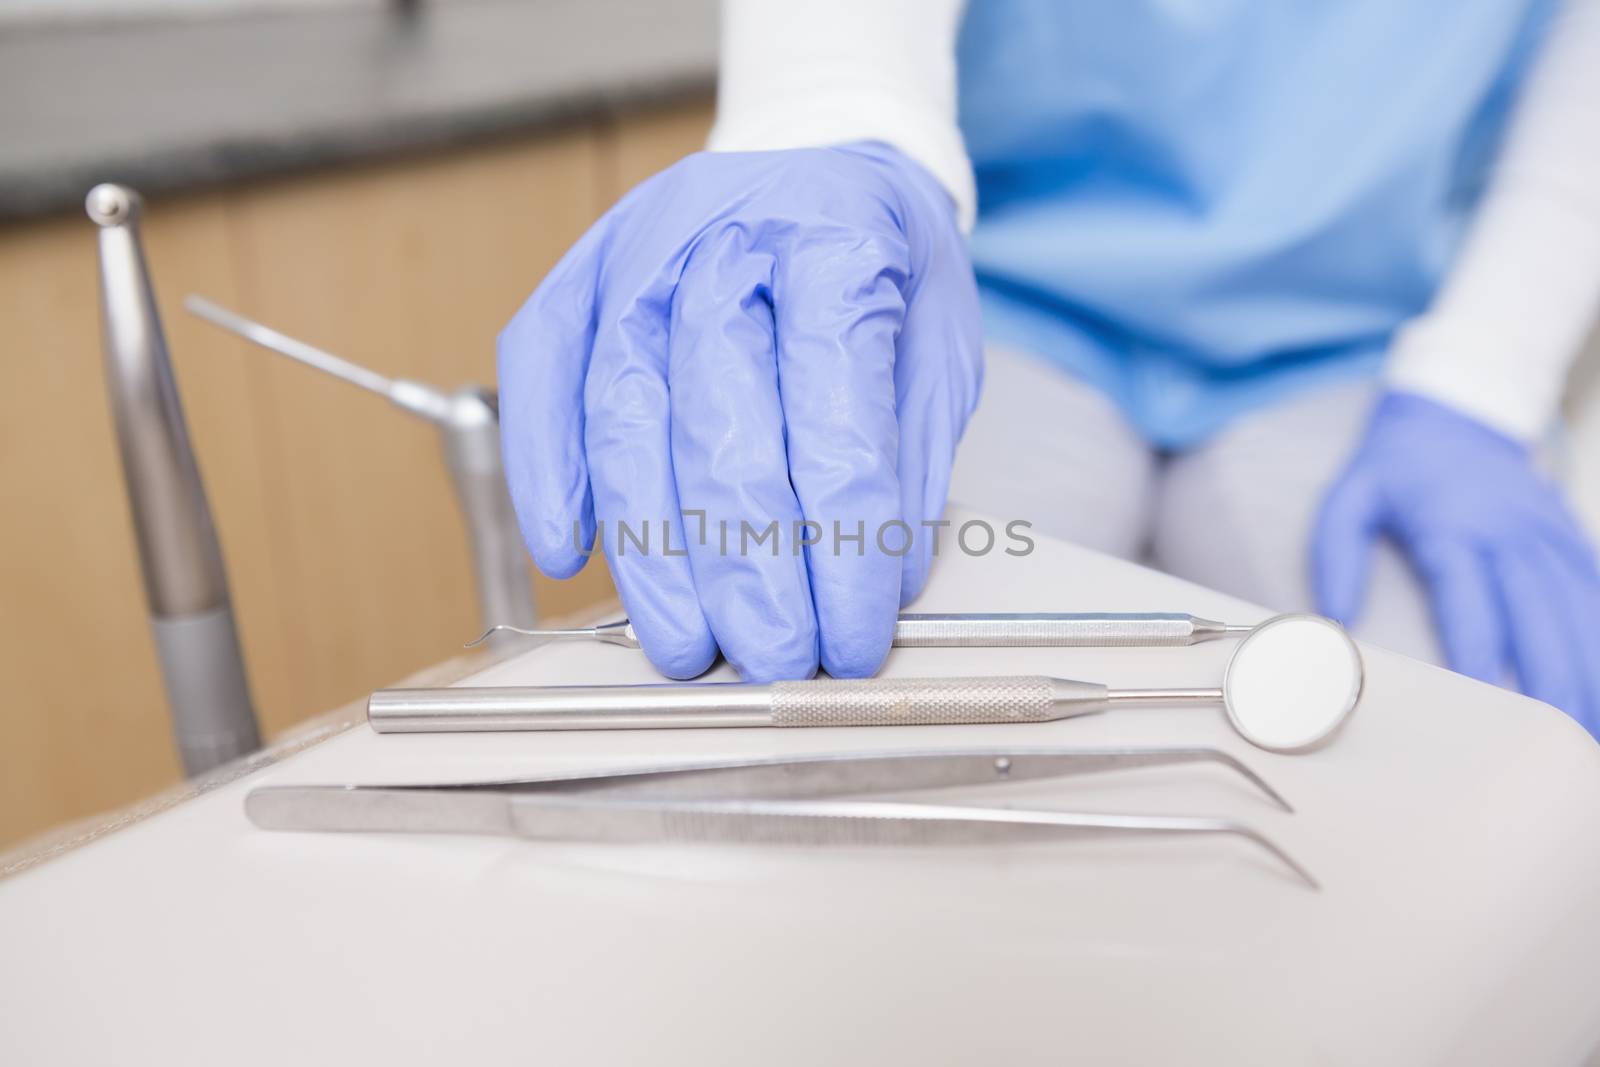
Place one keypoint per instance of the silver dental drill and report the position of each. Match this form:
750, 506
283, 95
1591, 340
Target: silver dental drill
186, 586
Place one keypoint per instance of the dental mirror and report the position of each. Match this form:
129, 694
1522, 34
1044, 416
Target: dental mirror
1292, 683
1288, 687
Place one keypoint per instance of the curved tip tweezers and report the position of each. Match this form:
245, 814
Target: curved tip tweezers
764, 801
859, 773
786, 822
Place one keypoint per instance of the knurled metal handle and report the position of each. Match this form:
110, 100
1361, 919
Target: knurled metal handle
1043, 631
913, 701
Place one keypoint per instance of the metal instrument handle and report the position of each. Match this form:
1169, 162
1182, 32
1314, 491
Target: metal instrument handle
821, 702
917, 701
1055, 630
473, 709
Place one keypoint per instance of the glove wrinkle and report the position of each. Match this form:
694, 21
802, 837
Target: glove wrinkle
770, 339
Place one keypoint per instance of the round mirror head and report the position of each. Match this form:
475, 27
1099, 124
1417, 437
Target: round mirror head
1292, 682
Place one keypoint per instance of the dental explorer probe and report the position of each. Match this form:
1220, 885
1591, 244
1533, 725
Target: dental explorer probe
979, 630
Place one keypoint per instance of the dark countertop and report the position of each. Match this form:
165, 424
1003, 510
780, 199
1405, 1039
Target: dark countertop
173, 104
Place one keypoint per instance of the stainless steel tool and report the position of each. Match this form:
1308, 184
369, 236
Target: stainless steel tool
762, 801
186, 585
1288, 687
977, 630
468, 421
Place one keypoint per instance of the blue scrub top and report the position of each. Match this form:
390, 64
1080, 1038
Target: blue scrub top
1200, 206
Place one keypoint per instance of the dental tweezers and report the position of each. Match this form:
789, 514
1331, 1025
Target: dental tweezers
772, 801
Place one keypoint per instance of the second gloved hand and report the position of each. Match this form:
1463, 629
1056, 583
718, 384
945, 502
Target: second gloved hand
1510, 575
749, 339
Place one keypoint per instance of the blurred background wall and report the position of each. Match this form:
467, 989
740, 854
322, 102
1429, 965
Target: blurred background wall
34, 12
385, 180
320, 214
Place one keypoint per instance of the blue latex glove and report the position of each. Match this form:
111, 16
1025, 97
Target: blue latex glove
757, 336
1511, 577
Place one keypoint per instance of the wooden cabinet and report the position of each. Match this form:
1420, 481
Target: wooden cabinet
346, 554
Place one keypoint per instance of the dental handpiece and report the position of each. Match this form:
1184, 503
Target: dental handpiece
980, 630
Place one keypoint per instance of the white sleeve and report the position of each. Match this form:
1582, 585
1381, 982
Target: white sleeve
1522, 293
802, 73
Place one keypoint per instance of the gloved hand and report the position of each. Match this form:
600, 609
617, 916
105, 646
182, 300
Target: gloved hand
1511, 576
753, 336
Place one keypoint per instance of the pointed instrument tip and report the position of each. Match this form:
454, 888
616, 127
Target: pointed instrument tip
1255, 779
497, 628
543, 635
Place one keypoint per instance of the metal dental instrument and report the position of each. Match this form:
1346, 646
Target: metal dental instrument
1288, 687
760, 801
978, 630
186, 585
468, 421
419, 399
